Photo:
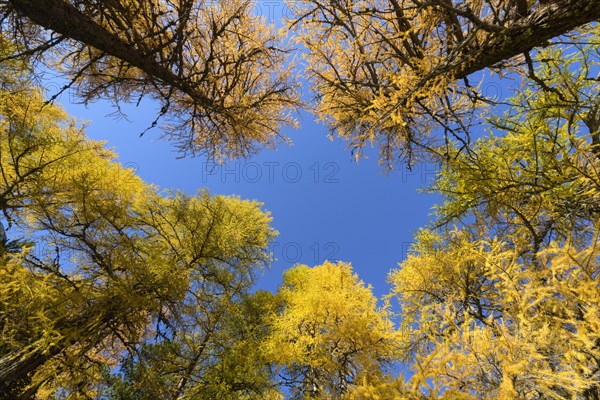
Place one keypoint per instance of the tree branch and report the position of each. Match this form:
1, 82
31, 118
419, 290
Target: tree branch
61, 17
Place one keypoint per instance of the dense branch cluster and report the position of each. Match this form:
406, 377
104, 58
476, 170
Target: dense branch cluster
395, 72
113, 289
216, 70
385, 72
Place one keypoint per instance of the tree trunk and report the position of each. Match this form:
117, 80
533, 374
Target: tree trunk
63, 18
544, 23
17, 366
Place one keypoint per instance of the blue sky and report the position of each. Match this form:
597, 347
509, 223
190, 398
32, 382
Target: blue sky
323, 203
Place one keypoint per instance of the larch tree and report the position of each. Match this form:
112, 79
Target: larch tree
144, 294
483, 322
106, 261
502, 299
216, 69
329, 335
395, 73
384, 71
230, 365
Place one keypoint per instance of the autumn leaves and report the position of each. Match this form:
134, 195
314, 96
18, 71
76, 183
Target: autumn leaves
148, 295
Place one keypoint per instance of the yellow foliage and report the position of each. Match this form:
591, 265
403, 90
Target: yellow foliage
330, 333
107, 258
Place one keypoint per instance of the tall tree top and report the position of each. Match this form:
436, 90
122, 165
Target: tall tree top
385, 72
215, 68
390, 72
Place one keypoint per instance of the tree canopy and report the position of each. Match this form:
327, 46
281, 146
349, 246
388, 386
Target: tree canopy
216, 69
394, 72
107, 261
111, 288
501, 301
330, 334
